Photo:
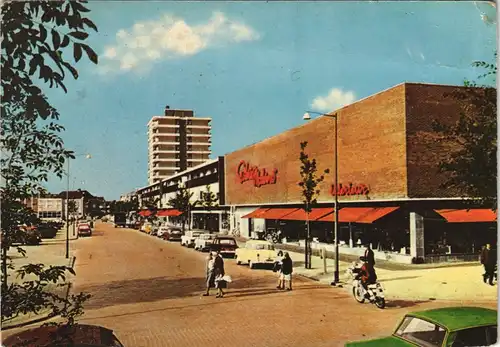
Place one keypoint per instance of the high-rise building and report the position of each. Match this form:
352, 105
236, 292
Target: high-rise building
176, 141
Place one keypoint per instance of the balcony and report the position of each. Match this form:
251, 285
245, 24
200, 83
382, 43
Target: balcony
164, 160
200, 135
156, 125
199, 141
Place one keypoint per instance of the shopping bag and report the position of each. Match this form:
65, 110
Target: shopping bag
227, 278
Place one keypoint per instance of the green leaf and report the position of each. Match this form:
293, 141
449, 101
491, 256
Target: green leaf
89, 23
43, 32
81, 35
90, 53
56, 39
65, 41
77, 51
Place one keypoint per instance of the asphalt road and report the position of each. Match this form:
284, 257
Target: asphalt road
149, 292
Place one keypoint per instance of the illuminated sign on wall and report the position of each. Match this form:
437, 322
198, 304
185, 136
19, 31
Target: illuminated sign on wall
351, 189
260, 177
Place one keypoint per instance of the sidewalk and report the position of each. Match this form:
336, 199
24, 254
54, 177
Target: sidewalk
49, 252
449, 283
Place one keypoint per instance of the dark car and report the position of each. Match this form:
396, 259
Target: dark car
226, 245
29, 236
47, 230
78, 335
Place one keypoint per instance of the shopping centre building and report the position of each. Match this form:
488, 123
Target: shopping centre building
389, 189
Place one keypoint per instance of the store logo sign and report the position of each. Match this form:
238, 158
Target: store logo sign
350, 189
260, 177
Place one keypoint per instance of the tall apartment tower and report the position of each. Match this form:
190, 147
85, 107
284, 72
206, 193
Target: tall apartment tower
176, 141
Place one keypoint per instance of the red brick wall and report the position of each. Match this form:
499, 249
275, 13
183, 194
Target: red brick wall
425, 148
371, 152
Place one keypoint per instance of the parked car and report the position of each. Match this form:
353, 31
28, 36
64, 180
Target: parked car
202, 243
162, 230
188, 238
449, 326
78, 335
30, 236
146, 227
84, 229
256, 252
226, 245
173, 234
48, 230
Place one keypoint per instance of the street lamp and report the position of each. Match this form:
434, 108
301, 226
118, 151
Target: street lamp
307, 117
87, 156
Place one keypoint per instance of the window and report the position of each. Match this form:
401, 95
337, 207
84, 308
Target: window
422, 332
471, 337
227, 242
189, 139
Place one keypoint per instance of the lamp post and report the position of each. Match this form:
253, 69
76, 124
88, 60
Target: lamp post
307, 117
88, 156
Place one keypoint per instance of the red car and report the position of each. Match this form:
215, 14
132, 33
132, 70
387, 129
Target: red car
78, 335
84, 229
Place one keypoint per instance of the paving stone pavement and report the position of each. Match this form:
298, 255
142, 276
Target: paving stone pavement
149, 292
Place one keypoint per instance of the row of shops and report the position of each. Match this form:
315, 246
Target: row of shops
390, 193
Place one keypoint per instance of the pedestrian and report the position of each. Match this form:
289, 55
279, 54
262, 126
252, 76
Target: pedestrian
219, 274
369, 255
278, 262
286, 271
210, 280
489, 261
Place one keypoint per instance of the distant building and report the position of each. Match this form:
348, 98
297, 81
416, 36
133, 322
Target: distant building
50, 208
128, 196
177, 141
81, 199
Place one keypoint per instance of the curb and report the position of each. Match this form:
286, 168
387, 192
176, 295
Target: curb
48, 316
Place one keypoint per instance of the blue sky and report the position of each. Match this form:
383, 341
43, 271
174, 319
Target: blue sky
254, 67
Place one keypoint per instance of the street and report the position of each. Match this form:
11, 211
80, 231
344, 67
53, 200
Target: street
149, 292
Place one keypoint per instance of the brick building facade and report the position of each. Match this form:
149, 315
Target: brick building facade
388, 157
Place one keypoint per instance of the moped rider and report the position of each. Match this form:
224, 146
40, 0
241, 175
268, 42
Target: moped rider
368, 275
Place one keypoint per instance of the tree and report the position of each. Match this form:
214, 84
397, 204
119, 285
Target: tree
209, 201
182, 202
310, 191
472, 166
36, 39
72, 208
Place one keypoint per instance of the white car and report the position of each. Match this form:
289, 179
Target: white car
162, 230
203, 242
188, 238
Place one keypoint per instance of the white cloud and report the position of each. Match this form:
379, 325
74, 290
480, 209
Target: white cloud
170, 37
335, 99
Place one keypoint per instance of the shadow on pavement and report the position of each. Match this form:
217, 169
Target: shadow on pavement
399, 278
404, 303
161, 288
141, 290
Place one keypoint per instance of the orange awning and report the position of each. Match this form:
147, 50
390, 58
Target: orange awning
257, 213
168, 213
277, 213
468, 216
175, 213
145, 213
359, 214
316, 213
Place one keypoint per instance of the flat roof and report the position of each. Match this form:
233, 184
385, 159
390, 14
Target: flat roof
180, 174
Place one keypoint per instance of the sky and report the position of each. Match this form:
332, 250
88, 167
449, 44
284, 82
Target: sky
254, 67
